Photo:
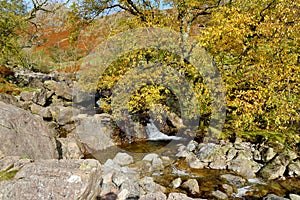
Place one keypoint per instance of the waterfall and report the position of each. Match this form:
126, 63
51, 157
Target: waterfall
154, 134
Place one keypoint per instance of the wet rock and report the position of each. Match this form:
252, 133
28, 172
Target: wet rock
53, 179
176, 183
148, 185
267, 154
192, 185
294, 197
94, 133
22, 133
234, 180
154, 196
219, 195
273, 197
276, 168
69, 148
123, 159
294, 169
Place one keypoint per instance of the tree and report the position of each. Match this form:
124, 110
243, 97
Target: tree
256, 47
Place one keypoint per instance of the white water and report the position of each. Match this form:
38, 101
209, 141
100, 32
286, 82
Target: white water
154, 134
241, 192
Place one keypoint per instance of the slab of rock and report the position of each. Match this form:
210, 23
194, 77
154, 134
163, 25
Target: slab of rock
23, 134
53, 179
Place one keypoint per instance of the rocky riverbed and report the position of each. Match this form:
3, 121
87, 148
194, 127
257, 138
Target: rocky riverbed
55, 146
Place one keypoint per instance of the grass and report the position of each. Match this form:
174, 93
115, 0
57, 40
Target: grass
7, 175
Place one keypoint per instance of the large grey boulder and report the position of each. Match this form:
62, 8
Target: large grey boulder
54, 179
22, 133
94, 132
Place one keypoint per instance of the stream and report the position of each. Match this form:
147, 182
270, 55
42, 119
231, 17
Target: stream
209, 180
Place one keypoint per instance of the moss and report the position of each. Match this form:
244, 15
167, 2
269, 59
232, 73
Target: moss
7, 175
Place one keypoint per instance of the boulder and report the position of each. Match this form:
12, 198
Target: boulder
95, 132
69, 148
276, 167
61, 89
54, 179
22, 133
192, 186
123, 159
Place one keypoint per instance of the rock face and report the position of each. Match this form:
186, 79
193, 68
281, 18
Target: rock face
53, 179
22, 133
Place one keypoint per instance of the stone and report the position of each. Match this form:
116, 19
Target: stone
54, 179
61, 89
22, 133
228, 189
206, 152
219, 195
132, 188
40, 98
273, 197
178, 196
94, 133
123, 159
192, 146
35, 109
192, 185
294, 169
219, 162
244, 165
176, 183
267, 154
234, 180
148, 185
154, 196
66, 115
194, 162
69, 148
123, 194
45, 113
276, 168
149, 157
27, 96
294, 197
